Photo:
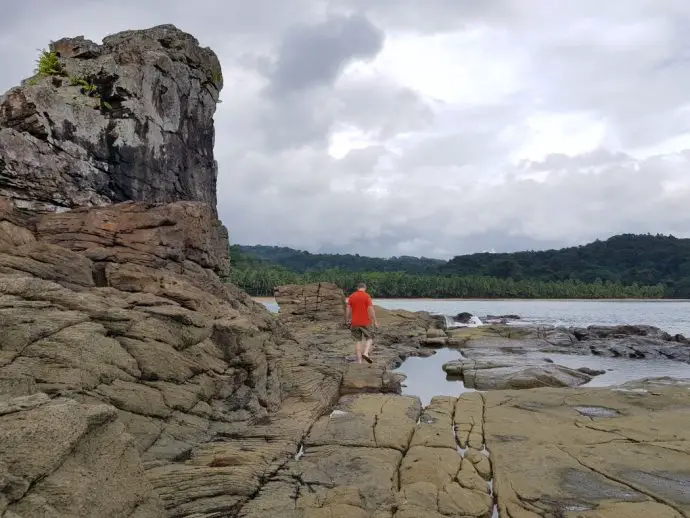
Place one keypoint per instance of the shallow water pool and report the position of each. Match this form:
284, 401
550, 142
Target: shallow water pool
425, 376
426, 379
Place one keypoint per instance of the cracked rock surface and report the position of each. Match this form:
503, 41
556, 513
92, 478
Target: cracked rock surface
120, 309
380, 455
587, 453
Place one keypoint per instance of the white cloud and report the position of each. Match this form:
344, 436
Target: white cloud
428, 128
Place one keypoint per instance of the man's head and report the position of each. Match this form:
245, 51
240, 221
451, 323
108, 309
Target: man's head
361, 286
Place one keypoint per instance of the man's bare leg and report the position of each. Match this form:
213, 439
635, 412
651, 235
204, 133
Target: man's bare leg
359, 346
368, 344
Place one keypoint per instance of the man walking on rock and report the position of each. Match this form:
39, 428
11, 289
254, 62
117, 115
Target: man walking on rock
360, 315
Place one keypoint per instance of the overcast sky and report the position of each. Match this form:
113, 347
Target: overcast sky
426, 127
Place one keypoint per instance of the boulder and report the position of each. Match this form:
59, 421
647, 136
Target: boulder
463, 318
63, 458
513, 373
130, 119
320, 301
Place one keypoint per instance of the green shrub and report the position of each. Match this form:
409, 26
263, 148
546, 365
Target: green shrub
48, 64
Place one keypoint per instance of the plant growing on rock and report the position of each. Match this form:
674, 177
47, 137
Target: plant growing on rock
86, 88
48, 64
91, 90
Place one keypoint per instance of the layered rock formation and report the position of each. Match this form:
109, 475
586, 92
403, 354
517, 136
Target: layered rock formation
122, 305
131, 119
321, 301
505, 372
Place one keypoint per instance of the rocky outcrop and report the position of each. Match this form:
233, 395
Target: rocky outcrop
463, 318
130, 119
590, 453
630, 341
634, 342
122, 306
504, 372
63, 458
320, 301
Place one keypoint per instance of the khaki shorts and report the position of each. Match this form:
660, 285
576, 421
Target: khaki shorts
362, 332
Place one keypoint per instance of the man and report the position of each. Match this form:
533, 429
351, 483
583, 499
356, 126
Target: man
360, 315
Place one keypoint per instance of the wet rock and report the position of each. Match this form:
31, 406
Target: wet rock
633, 342
591, 372
608, 462
463, 318
513, 373
596, 411
435, 342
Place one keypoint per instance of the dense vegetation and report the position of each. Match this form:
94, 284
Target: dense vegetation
625, 259
303, 262
623, 266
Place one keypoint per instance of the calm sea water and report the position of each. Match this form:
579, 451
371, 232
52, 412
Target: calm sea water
426, 379
672, 316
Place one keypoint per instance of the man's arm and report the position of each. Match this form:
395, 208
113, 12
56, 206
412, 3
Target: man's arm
348, 313
372, 314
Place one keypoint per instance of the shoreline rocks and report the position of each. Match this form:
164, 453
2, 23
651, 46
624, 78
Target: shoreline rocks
625, 341
505, 373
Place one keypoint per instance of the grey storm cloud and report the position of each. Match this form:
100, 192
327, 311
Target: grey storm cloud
426, 127
315, 55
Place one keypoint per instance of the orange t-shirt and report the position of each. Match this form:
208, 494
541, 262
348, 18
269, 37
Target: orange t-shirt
360, 301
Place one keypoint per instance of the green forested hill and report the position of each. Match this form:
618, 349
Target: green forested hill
303, 262
626, 265
627, 258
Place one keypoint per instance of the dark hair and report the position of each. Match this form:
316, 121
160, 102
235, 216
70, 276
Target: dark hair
361, 286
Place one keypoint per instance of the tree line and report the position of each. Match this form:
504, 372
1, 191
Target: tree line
627, 263
259, 278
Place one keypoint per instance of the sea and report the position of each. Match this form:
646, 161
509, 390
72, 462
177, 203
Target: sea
672, 316
425, 377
